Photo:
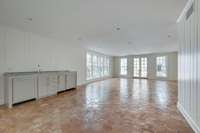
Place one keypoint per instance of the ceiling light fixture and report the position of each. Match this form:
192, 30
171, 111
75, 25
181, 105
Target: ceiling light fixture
29, 19
118, 28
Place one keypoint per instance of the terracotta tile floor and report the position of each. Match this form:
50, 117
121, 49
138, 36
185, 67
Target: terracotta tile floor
110, 106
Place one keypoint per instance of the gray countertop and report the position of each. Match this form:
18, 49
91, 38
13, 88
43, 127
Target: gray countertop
32, 72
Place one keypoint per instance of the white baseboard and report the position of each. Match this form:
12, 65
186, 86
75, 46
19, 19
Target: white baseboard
94, 80
188, 118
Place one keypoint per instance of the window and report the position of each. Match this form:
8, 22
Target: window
97, 66
123, 66
161, 64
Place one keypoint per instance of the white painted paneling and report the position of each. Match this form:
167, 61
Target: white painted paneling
15, 48
198, 62
189, 64
2, 64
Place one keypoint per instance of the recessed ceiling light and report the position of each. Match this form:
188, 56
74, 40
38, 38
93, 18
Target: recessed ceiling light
118, 28
29, 19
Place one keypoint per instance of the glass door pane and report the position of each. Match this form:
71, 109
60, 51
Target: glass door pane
89, 66
143, 67
136, 67
95, 69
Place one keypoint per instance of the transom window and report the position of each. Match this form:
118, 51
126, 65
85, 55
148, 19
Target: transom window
97, 66
161, 66
123, 66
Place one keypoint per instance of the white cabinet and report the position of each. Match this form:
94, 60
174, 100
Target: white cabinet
71, 80
20, 87
47, 84
42, 85
52, 84
61, 82
24, 88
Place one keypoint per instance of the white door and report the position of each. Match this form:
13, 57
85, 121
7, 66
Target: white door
140, 67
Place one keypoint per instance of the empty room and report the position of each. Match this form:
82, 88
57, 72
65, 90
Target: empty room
99, 66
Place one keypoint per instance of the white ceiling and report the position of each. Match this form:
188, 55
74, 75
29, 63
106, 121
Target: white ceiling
145, 25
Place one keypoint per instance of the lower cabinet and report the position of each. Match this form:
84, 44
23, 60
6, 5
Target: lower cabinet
47, 85
71, 80
52, 87
67, 81
23, 86
62, 82
42, 85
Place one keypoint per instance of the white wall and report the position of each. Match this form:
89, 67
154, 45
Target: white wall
189, 65
172, 65
22, 51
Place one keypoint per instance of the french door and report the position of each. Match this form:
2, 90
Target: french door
140, 67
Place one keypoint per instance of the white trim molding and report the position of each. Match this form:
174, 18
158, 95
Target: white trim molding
189, 3
188, 118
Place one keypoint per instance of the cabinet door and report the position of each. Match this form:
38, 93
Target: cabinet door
42, 85
24, 88
61, 82
52, 84
47, 85
71, 80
